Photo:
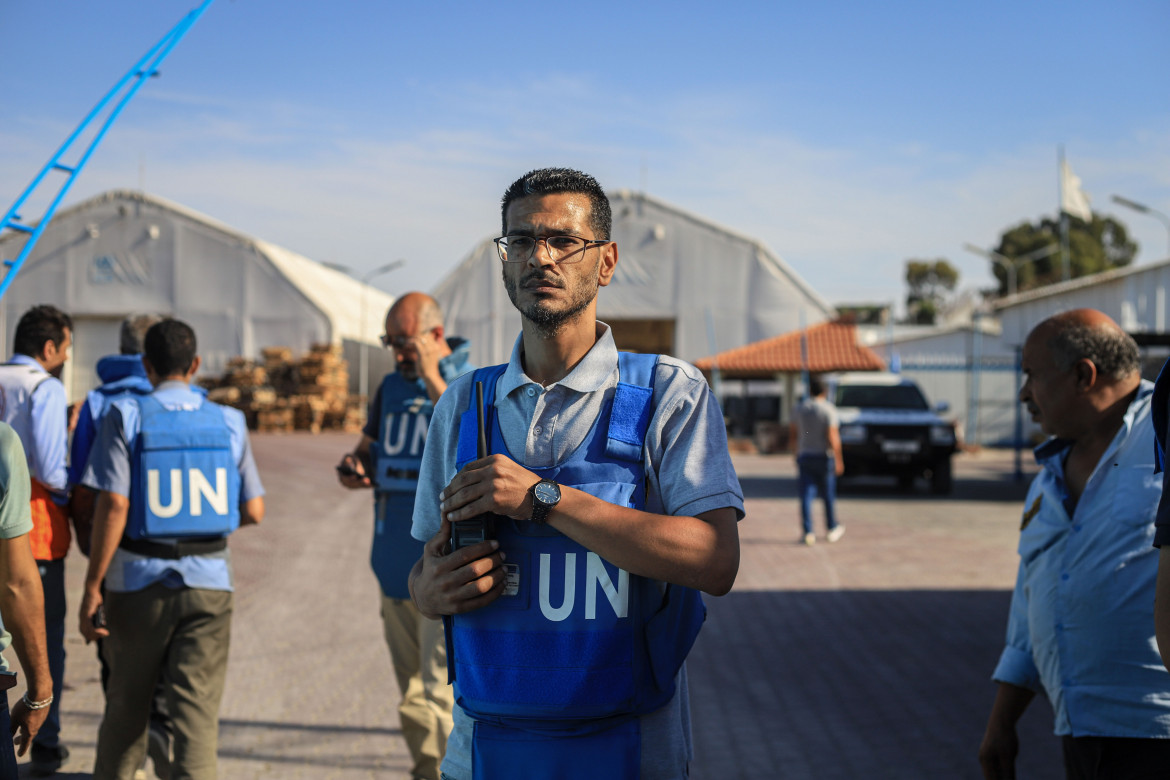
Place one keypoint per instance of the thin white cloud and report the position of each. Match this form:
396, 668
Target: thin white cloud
846, 217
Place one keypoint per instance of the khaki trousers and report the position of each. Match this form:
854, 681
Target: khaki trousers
419, 654
186, 633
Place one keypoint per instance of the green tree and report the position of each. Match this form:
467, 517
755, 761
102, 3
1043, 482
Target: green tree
863, 313
1093, 247
928, 282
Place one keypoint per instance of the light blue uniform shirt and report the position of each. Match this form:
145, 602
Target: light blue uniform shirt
109, 470
688, 472
50, 433
1081, 626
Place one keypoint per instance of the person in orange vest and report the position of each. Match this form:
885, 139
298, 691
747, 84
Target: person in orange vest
33, 402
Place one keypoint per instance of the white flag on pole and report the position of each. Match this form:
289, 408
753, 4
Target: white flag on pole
1073, 199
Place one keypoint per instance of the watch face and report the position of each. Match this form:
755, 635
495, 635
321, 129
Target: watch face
546, 493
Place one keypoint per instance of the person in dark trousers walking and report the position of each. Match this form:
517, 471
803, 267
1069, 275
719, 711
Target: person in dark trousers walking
123, 376
175, 477
816, 433
33, 402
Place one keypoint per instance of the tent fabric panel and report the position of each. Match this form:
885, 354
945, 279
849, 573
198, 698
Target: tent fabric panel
356, 311
671, 266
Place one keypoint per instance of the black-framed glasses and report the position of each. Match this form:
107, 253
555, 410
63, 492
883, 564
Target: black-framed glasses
400, 342
561, 249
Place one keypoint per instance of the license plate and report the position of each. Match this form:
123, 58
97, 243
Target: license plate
900, 446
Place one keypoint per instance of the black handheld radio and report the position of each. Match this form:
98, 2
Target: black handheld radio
465, 533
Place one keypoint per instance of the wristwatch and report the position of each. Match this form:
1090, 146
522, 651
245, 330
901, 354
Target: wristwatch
545, 495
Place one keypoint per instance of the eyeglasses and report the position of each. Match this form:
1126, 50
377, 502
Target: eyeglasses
400, 342
561, 249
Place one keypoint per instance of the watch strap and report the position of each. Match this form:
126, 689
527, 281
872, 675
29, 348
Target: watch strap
541, 509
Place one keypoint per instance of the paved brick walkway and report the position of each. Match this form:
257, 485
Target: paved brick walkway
868, 658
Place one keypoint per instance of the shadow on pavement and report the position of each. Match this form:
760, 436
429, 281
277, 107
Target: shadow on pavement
316, 728
849, 684
886, 489
300, 744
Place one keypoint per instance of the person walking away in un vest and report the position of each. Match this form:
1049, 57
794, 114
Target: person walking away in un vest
122, 376
175, 477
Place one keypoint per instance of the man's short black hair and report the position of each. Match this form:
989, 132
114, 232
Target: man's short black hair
40, 324
816, 385
554, 181
170, 347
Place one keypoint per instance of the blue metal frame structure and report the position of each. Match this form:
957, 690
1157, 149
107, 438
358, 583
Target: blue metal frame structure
129, 85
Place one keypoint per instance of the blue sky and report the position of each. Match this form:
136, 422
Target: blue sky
847, 136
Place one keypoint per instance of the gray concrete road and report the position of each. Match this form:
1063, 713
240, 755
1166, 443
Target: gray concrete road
867, 658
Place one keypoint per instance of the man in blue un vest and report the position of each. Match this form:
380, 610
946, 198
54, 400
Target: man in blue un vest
175, 476
614, 501
393, 439
123, 376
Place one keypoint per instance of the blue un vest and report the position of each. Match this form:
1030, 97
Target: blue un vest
575, 644
185, 482
1159, 406
404, 417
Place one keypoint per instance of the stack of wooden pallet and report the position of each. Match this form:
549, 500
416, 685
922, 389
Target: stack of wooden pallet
280, 393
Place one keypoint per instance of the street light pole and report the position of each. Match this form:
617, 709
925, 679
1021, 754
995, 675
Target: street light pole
363, 361
1010, 263
995, 257
1144, 209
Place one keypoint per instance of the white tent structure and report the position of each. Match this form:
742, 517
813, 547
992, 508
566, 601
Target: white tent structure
123, 253
684, 286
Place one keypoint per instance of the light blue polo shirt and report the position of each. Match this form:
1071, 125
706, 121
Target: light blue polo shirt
1081, 626
688, 472
109, 470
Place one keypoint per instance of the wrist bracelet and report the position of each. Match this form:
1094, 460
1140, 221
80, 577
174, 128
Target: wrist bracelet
36, 705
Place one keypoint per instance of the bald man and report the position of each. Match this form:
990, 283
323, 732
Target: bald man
1081, 625
387, 459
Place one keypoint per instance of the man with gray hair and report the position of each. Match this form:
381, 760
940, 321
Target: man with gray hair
1081, 624
123, 376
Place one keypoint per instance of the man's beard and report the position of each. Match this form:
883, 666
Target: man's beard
549, 322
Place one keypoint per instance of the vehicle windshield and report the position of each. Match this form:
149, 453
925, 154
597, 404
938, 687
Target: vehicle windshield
881, 397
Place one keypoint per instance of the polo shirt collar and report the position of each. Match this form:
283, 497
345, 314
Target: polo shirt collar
589, 375
25, 360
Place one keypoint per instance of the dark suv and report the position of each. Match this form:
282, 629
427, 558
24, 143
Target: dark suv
888, 428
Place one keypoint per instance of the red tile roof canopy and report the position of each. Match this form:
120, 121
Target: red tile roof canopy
832, 346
